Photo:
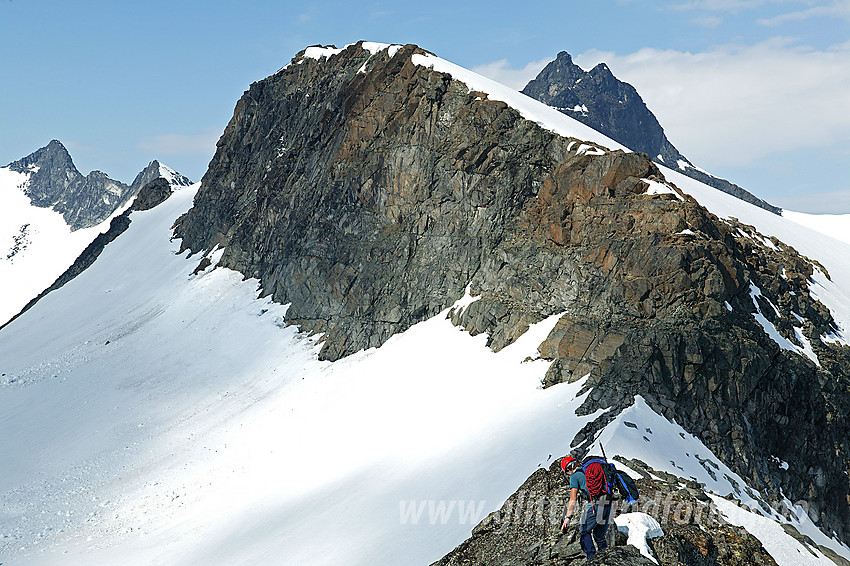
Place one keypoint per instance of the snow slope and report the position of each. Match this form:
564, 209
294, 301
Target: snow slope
784, 549
836, 226
164, 417
150, 415
36, 245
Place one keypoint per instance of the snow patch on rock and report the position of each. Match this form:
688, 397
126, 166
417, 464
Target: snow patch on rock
638, 527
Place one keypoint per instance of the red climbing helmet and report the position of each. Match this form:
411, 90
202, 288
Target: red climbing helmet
567, 461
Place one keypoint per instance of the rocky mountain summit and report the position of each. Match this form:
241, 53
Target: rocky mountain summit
603, 102
55, 183
371, 192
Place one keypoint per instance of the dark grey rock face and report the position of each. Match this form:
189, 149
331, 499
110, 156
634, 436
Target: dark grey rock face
370, 200
152, 193
55, 183
603, 102
343, 192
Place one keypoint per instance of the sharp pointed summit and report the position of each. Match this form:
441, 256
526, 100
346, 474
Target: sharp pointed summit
54, 155
603, 102
54, 182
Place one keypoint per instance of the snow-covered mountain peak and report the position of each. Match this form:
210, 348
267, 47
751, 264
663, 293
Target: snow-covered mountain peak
36, 244
597, 98
174, 178
319, 52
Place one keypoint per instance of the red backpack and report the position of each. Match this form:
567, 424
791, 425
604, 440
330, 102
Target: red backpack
600, 476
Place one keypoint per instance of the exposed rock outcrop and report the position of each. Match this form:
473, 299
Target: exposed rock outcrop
152, 194
606, 104
368, 192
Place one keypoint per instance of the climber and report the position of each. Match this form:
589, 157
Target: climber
597, 511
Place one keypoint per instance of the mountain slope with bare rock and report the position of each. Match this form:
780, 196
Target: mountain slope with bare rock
369, 191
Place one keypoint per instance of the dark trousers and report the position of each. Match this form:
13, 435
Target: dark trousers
594, 526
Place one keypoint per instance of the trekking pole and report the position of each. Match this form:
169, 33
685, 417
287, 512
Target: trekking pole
604, 457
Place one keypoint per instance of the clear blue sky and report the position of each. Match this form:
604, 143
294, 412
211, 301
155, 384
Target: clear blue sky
121, 83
